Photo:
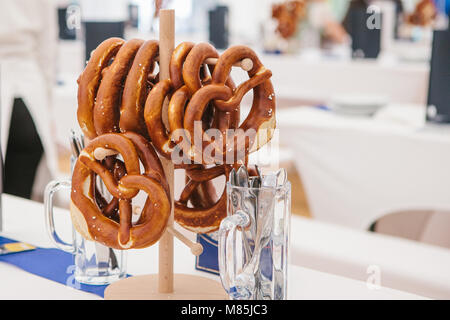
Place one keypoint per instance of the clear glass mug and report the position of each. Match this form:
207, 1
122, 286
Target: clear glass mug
253, 242
95, 264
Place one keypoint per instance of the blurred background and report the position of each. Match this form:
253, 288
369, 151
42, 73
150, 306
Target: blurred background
363, 96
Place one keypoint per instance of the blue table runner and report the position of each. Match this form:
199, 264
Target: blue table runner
49, 263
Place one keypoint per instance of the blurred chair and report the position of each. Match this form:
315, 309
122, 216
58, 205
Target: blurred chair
96, 32
103, 19
439, 84
366, 43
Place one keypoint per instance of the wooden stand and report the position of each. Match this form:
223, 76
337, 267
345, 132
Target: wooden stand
165, 285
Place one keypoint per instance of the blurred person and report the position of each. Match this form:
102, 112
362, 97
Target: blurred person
424, 13
306, 23
28, 39
321, 24
288, 15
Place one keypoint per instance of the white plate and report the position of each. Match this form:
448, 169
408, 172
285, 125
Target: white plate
363, 105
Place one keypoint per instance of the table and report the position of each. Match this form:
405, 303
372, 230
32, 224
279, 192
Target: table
366, 168
304, 283
313, 77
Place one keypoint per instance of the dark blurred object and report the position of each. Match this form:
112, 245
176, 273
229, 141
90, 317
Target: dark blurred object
366, 43
96, 32
64, 32
439, 83
24, 152
288, 14
218, 27
133, 15
424, 14
1, 183
364, 4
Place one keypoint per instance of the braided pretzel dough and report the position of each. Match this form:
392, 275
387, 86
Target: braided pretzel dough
107, 104
89, 81
207, 212
196, 92
201, 219
177, 61
261, 118
88, 218
111, 209
136, 89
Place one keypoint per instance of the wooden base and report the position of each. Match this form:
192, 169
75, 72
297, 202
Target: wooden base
186, 287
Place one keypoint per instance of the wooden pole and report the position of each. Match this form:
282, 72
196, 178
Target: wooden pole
166, 47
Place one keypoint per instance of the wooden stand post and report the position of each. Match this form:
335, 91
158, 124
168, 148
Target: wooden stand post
165, 285
166, 46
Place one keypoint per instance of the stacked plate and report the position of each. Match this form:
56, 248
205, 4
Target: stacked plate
358, 105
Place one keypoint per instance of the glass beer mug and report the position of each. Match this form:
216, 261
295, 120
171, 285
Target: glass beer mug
253, 242
95, 263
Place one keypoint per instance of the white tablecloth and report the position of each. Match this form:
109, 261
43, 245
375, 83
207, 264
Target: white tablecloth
24, 221
355, 170
317, 78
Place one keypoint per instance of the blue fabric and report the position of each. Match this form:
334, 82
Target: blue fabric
52, 264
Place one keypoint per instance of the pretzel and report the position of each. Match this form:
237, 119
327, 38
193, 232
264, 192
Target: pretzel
206, 213
262, 113
424, 13
110, 209
207, 218
89, 81
88, 218
130, 97
194, 61
136, 89
153, 118
288, 14
187, 67
107, 104
177, 61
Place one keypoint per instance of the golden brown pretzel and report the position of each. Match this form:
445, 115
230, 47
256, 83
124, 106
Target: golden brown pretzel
169, 142
260, 122
193, 64
107, 104
207, 218
110, 209
206, 213
136, 89
89, 81
177, 61
192, 69
160, 135
153, 118
88, 218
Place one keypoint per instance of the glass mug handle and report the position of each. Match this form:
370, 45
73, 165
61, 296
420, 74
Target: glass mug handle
227, 254
50, 190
